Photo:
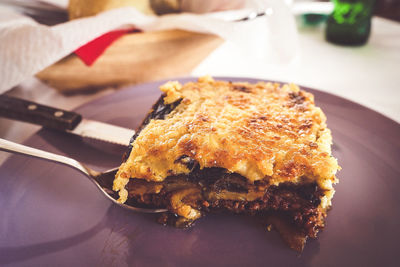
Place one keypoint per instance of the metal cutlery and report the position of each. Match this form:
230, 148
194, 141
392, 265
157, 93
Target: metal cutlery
103, 180
62, 120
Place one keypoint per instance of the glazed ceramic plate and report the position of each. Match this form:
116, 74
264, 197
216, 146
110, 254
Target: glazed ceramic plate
52, 215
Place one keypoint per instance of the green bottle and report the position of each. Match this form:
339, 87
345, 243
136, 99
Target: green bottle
350, 22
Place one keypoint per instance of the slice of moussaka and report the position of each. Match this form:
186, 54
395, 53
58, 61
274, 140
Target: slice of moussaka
261, 149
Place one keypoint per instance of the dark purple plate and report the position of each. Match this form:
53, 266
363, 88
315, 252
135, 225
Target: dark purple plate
51, 215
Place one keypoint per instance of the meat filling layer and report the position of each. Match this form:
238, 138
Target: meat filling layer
212, 189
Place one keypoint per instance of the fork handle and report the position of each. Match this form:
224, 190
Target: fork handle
12, 147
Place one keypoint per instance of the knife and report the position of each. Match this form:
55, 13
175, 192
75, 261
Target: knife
62, 120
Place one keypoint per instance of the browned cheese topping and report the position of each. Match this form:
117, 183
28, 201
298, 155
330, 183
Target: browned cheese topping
262, 131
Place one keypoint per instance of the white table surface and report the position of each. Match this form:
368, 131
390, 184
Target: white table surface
369, 75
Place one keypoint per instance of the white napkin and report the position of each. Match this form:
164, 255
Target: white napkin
27, 47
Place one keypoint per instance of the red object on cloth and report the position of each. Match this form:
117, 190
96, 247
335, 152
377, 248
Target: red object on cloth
91, 51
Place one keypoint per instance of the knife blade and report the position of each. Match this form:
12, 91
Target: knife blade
62, 120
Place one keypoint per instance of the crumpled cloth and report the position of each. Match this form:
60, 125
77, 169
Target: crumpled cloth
27, 47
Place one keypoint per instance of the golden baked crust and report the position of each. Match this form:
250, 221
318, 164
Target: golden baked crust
262, 131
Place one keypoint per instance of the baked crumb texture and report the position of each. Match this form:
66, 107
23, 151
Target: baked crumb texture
264, 131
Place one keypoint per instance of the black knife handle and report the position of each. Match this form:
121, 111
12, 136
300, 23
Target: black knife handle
23, 110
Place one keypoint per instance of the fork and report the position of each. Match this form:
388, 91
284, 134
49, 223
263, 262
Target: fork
103, 180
